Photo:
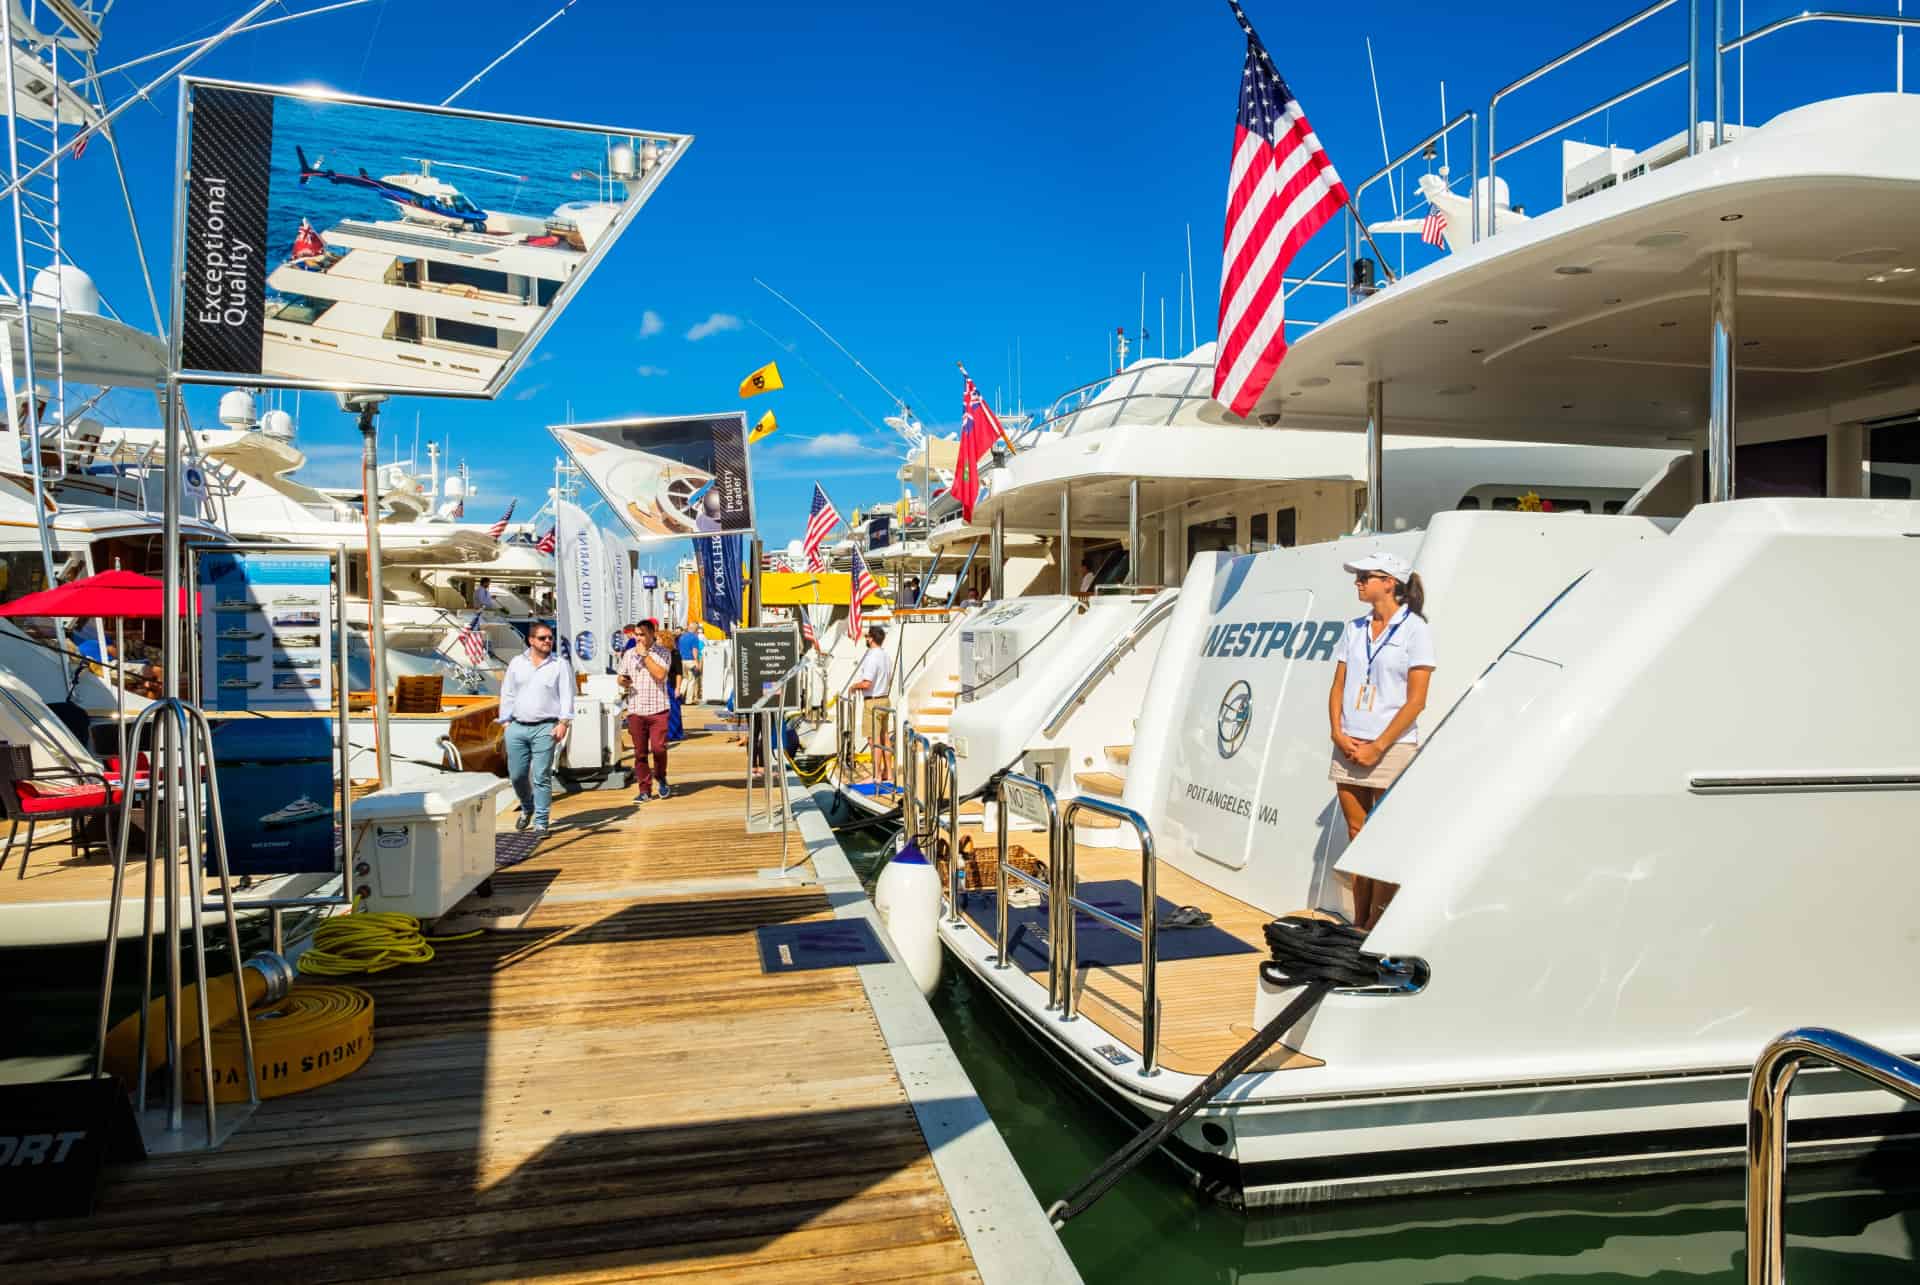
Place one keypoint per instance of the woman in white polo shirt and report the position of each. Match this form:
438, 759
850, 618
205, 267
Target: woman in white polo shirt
1379, 688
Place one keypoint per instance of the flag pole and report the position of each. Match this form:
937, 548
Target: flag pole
1253, 36
1001, 428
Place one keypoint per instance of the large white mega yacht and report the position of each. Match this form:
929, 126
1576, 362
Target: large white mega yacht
1050, 677
1660, 747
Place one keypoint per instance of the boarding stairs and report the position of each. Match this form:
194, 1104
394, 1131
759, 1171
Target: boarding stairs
1107, 783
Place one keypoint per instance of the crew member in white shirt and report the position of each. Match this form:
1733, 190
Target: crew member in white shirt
483, 595
874, 681
536, 704
1379, 688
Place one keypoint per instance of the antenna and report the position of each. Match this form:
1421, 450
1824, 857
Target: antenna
1446, 164
800, 357
1163, 327
1193, 307
1142, 332
858, 364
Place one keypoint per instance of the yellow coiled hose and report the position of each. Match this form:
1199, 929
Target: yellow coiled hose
369, 941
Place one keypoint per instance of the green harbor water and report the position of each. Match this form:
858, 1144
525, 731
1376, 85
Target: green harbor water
1857, 1224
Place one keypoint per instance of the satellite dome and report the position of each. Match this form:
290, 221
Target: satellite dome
455, 487
69, 286
236, 405
278, 425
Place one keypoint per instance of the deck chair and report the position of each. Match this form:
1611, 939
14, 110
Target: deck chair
417, 694
30, 794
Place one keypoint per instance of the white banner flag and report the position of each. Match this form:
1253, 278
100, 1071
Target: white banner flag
586, 607
619, 578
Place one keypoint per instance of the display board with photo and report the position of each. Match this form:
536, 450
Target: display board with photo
337, 242
668, 477
266, 641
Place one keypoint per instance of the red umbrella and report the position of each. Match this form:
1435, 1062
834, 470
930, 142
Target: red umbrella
112, 595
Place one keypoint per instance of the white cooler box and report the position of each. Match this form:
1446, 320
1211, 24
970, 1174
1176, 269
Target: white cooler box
592, 747
420, 849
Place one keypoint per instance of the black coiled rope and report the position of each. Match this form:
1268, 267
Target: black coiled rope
1314, 954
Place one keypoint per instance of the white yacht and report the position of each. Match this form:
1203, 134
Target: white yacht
1049, 679
1645, 771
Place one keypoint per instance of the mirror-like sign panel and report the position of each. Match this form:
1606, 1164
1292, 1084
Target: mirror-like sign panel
346, 243
670, 477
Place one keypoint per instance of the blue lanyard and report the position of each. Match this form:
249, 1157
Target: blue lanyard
1373, 651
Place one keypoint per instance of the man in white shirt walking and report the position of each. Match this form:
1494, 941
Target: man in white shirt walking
873, 680
536, 704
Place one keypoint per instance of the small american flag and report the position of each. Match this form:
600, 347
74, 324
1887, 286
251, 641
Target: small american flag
862, 588
1433, 229
474, 641
548, 542
499, 528
807, 630
822, 518
1281, 189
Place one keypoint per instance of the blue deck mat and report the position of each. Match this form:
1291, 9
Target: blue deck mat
842, 943
871, 788
1099, 943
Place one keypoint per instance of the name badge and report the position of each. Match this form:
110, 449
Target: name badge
1363, 699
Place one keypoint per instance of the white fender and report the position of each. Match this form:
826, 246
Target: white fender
907, 897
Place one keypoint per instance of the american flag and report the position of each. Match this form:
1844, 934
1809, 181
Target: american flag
548, 542
1280, 191
807, 630
474, 641
822, 518
862, 588
499, 528
1433, 229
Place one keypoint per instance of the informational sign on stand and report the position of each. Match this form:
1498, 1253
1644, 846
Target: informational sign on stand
266, 631
763, 654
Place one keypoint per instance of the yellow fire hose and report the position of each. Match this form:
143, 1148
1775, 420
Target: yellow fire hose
369, 941
303, 1036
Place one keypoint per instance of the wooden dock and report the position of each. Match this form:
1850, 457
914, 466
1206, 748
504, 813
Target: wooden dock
611, 1091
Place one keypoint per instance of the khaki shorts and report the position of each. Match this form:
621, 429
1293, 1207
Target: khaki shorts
1346, 771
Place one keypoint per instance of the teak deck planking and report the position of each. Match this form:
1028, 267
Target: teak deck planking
612, 1092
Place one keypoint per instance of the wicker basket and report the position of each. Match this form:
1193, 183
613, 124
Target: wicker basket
982, 866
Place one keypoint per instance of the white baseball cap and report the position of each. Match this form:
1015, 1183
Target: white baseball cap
1391, 563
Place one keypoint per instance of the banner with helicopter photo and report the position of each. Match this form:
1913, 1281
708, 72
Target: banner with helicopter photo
668, 478
353, 244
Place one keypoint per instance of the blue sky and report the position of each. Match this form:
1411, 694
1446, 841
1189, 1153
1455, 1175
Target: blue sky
933, 183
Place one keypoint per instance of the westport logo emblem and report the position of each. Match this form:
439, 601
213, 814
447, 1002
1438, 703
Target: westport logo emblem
1258, 639
1236, 712
583, 645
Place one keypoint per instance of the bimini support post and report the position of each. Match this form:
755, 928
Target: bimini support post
1722, 286
1376, 431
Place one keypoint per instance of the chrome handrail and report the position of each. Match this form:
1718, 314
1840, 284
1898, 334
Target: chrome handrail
1066, 944
1418, 149
1156, 611
1722, 49
1585, 46
1773, 1074
1048, 888
949, 762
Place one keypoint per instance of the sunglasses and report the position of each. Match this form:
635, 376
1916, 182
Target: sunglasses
1361, 577
541, 638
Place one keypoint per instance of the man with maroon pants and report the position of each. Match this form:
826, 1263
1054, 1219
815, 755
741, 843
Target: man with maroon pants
643, 673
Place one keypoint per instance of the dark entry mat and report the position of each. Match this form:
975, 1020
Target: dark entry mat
840, 943
1099, 944
511, 847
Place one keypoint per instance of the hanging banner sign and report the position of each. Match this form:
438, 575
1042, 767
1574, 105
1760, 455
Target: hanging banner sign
354, 244
668, 478
266, 630
720, 597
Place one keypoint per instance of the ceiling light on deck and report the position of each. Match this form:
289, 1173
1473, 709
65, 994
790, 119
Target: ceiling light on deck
1749, 343
1350, 364
1900, 272
1455, 390
1439, 321
1538, 327
1731, 218
1573, 270
1661, 240
1668, 325
1566, 405
1598, 347
1477, 351
1608, 303
1317, 381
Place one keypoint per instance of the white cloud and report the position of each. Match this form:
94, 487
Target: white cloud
826, 445
713, 325
647, 372
651, 323
530, 392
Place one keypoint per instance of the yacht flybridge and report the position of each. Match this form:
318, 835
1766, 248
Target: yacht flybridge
1641, 779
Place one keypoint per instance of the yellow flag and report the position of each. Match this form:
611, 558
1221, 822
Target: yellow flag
762, 429
763, 380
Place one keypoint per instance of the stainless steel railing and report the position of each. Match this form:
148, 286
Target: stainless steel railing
1740, 42
1066, 942
1038, 798
1157, 610
1773, 1076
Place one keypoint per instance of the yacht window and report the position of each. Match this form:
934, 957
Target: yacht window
1286, 528
1794, 467
1468, 502
1563, 505
460, 274
1211, 536
545, 291
1257, 533
461, 332
1893, 462
1613, 506
20, 575
1506, 503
